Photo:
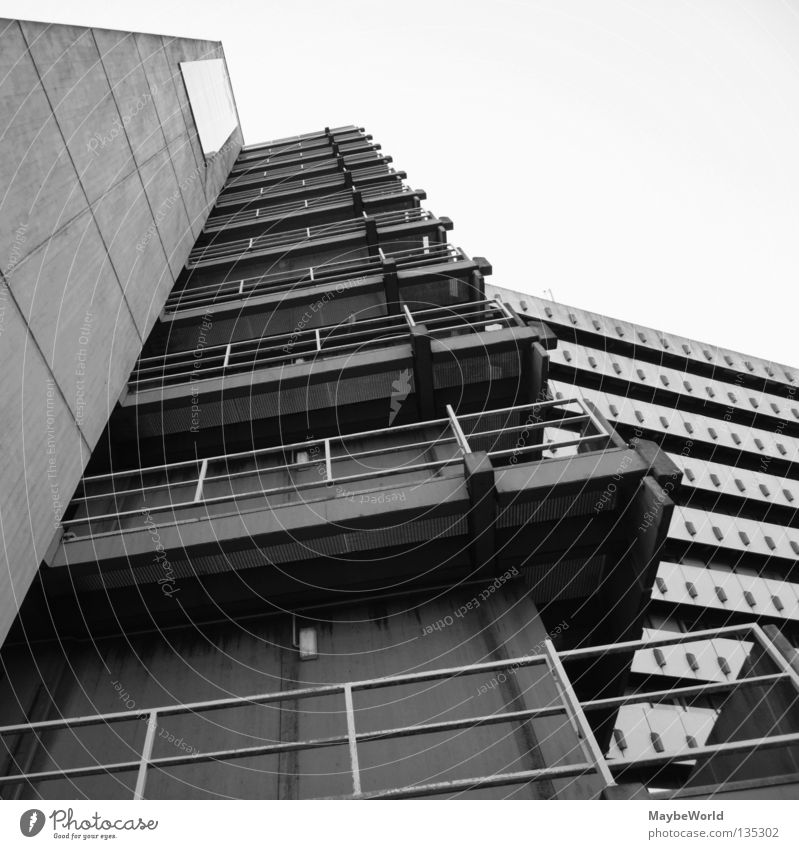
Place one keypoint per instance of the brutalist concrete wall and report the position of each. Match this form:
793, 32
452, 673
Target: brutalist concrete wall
103, 190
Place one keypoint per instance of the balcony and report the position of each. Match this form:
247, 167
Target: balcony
158, 372
345, 375
455, 490
402, 224
287, 174
303, 142
349, 730
437, 274
323, 209
303, 157
311, 186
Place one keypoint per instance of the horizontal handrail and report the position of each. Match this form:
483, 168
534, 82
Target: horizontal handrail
299, 172
290, 158
338, 271
325, 455
363, 175
184, 366
564, 704
303, 236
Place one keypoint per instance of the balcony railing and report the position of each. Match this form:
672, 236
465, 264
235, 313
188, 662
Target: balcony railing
303, 156
331, 273
313, 344
565, 704
304, 141
290, 240
363, 175
409, 455
279, 211
291, 173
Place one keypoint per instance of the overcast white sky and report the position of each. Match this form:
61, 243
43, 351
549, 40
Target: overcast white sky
639, 159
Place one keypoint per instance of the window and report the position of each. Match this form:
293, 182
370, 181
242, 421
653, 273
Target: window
211, 100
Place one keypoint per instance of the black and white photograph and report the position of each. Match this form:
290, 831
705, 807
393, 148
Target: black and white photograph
399, 402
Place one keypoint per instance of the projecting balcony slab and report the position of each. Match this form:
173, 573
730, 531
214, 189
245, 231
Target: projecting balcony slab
367, 384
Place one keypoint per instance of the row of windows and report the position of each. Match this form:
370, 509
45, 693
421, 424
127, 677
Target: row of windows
740, 590
688, 426
702, 388
721, 479
578, 319
734, 532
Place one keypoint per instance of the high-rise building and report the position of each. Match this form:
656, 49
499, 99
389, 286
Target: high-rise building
362, 524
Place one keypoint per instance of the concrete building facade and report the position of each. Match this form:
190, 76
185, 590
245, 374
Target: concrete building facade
105, 187
359, 524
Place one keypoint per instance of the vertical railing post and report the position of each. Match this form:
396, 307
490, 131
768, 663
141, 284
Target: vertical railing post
459, 434
146, 755
576, 716
328, 463
198, 492
408, 316
353, 742
775, 654
227, 357
318, 340
508, 314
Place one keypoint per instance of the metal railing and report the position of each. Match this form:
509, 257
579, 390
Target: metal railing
412, 453
303, 156
340, 271
302, 142
681, 695
286, 174
363, 175
566, 704
312, 344
301, 237
568, 707
280, 211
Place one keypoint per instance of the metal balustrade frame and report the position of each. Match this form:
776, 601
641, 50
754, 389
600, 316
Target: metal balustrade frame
594, 763
335, 340
302, 237
453, 428
330, 273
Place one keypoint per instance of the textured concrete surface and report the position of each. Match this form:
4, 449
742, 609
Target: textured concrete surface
103, 189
